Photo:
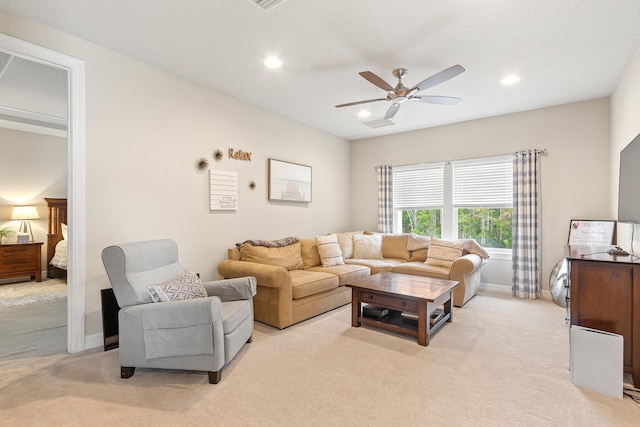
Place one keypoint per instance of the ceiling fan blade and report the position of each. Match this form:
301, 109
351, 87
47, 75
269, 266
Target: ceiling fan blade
392, 111
376, 80
438, 78
360, 102
440, 100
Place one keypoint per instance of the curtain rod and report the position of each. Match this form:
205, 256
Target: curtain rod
540, 151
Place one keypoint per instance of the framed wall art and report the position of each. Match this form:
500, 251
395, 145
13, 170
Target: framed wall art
289, 182
223, 190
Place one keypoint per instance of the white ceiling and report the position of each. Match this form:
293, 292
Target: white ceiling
563, 50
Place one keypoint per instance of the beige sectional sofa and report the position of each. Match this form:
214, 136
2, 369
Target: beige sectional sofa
296, 283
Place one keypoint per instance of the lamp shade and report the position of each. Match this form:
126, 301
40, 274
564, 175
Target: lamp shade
24, 212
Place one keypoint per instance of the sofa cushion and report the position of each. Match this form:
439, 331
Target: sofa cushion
288, 257
418, 268
309, 252
395, 246
443, 252
419, 255
345, 240
346, 273
367, 246
187, 286
329, 250
376, 265
305, 283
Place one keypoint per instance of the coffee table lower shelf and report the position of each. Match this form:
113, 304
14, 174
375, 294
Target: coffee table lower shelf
398, 322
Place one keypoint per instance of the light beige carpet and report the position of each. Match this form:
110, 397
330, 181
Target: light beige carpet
502, 362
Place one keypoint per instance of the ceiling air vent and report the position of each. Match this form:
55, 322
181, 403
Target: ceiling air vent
267, 5
379, 123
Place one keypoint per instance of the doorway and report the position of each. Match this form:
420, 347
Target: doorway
75, 185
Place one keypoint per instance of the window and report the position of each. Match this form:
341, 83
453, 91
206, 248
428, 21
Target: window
458, 199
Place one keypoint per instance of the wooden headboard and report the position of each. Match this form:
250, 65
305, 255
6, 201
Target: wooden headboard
56, 215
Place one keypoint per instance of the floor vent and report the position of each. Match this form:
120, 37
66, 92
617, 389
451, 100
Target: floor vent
267, 5
379, 123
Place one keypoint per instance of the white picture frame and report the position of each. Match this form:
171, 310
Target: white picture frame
289, 182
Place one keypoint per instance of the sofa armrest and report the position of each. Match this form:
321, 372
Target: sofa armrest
232, 289
465, 264
270, 276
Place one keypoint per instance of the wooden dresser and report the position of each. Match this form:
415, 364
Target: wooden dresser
24, 259
605, 295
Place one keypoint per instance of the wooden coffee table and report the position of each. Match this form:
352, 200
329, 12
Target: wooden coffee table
404, 295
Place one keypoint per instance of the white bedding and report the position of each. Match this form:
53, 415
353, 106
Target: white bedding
60, 255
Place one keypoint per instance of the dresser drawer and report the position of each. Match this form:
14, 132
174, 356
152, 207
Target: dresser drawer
18, 265
396, 303
14, 252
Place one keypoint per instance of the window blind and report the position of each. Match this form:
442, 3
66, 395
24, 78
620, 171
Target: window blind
418, 187
483, 183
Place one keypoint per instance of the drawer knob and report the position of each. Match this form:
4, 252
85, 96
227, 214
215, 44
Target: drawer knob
370, 297
404, 304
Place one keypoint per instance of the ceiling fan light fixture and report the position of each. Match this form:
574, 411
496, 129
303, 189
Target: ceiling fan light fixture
272, 62
364, 114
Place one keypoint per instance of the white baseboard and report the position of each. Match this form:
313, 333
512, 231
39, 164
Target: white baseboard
93, 341
505, 290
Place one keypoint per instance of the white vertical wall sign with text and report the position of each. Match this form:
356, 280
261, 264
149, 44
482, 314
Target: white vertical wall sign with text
223, 190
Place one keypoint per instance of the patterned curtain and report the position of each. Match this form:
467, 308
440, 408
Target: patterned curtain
385, 198
527, 243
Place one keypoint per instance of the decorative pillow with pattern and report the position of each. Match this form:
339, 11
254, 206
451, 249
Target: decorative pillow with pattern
443, 252
329, 250
187, 286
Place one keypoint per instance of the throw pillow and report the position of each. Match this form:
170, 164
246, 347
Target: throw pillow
64, 230
442, 253
309, 253
329, 250
346, 243
187, 286
367, 246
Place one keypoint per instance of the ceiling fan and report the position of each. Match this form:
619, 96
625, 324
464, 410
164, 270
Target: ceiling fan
399, 94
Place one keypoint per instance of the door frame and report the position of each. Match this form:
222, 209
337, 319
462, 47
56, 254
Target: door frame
76, 185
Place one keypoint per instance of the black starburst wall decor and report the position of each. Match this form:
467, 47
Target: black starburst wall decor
217, 155
202, 164
252, 185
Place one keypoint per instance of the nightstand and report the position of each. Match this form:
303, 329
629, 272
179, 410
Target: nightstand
21, 259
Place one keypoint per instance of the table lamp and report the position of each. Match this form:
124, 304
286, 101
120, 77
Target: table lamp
25, 213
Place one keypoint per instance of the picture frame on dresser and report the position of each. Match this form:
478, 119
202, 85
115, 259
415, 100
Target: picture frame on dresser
592, 232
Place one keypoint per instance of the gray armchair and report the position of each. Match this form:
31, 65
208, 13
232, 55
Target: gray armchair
201, 334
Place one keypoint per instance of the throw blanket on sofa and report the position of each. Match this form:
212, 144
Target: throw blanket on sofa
416, 242
271, 243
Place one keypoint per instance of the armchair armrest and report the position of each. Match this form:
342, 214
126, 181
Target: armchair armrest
270, 276
232, 289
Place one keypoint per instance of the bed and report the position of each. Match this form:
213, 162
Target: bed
56, 238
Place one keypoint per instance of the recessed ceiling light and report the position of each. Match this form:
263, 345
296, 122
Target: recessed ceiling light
272, 62
364, 113
510, 79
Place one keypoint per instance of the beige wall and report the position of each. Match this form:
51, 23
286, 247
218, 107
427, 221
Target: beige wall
32, 166
575, 173
625, 125
145, 129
